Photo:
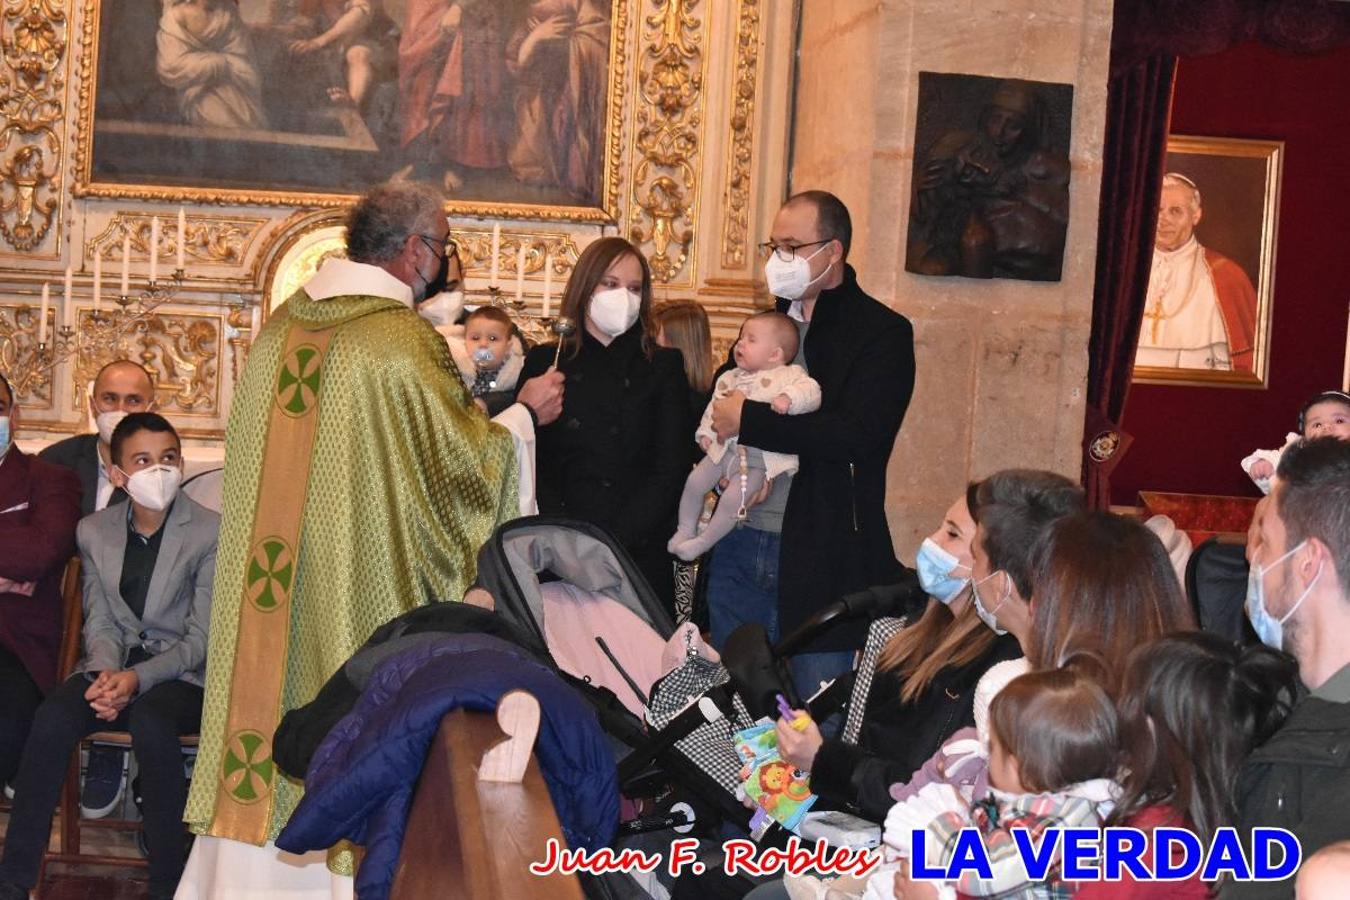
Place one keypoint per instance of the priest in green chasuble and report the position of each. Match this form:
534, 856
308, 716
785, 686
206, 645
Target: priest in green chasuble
360, 481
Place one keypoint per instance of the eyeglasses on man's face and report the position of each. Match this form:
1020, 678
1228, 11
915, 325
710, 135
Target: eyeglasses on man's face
448, 247
787, 252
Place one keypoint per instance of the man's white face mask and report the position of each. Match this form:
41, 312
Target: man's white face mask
442, 309
106, 422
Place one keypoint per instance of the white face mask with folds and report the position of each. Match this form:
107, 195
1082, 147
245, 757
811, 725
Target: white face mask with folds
790, 279
106, 422
154, 487
443, 308
614, 311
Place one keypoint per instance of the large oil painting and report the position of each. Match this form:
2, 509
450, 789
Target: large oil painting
507, 104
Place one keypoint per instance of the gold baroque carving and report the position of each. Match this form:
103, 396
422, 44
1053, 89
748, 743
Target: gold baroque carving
667, 142
475, 252
736, 212
181, 352
18, 338
33, 42
211, 240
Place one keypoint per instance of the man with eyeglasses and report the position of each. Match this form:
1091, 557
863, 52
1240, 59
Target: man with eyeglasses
360, 482
823, 532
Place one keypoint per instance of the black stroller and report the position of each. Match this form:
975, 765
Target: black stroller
678, 767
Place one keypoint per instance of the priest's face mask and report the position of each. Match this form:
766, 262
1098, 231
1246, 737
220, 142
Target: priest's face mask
1178, 215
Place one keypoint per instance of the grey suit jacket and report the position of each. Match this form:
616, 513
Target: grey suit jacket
177, 606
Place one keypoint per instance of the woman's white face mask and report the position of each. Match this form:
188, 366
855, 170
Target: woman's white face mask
615, 310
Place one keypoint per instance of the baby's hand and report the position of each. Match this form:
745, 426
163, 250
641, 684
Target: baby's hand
705, 442
1262, 468
782, 404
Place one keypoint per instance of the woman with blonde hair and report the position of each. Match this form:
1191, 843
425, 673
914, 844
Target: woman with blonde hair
683, 325
924, 687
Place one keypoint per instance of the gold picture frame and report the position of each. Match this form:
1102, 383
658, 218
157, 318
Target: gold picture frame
1238, 183
97, 175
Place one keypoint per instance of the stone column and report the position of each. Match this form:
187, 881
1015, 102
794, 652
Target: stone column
1002, 364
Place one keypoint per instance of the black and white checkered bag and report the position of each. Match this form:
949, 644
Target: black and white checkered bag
879, 634
710, 746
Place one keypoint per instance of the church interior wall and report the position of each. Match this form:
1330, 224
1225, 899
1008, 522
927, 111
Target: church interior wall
1002, 364
1190, 439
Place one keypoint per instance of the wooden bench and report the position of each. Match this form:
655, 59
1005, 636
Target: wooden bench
473, 838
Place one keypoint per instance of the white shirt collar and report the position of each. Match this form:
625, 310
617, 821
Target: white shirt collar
794, 310
342, 277
1190, 246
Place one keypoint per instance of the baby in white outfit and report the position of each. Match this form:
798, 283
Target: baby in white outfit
1325, 415
768, 341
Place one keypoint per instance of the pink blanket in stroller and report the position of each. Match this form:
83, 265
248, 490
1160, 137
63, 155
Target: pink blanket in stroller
574, 618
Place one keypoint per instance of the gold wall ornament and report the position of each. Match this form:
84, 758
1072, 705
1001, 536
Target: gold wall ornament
33, 43
475, 253
668, 139
736, 208
18, 341
180, 351
220, 241
239, 327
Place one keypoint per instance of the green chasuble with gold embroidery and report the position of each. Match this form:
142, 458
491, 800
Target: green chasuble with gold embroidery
360, 481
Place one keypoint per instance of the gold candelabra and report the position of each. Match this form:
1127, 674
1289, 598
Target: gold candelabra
534, 327
101, 335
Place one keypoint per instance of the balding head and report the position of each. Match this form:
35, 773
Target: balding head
121, 386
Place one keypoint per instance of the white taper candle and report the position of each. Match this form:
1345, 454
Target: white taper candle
154, 248
496, 249
182, 238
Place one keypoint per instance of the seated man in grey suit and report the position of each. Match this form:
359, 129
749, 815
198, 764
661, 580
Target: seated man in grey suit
147, 567
121, 387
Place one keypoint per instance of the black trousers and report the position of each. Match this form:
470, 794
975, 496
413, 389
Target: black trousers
19, 700
155, 720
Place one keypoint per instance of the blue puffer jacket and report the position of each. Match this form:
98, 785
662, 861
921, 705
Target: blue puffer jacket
361, 781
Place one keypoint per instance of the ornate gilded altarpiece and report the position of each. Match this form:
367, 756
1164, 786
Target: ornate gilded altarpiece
688, 153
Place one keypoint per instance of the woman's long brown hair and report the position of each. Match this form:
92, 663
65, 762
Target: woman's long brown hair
933, 643
685, 324
937, 640
594, 262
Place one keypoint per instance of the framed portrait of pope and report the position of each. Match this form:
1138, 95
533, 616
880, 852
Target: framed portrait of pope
1209, 304
509, 105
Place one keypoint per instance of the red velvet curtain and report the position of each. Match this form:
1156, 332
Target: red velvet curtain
1148, 37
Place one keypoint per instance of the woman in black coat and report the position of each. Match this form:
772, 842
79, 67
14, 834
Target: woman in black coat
923, 690
617, 455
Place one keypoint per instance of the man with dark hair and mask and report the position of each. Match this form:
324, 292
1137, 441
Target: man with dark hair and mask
360, 482
147, 567
821, 532
1298, 600
39, 508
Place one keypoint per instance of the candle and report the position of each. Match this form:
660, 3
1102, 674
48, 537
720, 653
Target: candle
182, 238
548, 281
126, 264
520, 272
98, 280
66, 305
496, 249
154, 248
42, 316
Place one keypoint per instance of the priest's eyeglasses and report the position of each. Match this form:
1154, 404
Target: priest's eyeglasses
786, 252
449, 248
